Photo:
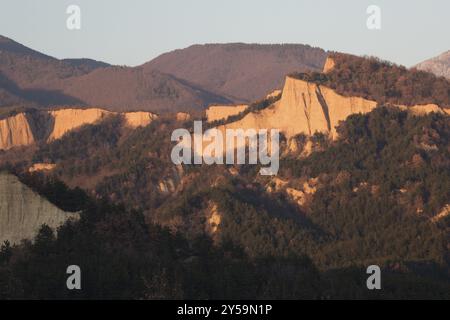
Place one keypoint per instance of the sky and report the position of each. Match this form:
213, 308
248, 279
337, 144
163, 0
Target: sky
131, 32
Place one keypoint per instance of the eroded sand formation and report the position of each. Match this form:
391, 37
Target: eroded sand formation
23, 212
329, 65
215, 113
66, 120
16, 131
139, 118
307, 108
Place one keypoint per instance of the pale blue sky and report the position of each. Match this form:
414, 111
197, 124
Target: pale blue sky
132, 32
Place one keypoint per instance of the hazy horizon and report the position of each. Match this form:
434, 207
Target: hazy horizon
135, 32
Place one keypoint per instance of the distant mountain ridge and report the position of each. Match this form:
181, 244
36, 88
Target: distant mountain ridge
439, 65
183, 80
30, 78
242, 72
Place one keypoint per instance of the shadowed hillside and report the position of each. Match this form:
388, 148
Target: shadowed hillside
182, 80
30, 78
244, 72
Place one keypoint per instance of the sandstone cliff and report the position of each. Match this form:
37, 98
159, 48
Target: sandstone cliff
273, 94
423, 109
15, 131
41, 167
22, 211
329, 65
182, 116
307, 108
66, 120
18, 130
215, 113
139, 119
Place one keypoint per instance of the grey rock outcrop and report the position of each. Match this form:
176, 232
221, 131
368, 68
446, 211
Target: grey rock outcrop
23, 212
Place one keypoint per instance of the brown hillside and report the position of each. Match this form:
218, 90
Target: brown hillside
30, 78
244, 72
125, 88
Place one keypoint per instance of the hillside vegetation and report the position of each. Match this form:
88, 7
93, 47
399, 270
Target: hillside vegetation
378, 188
375, 193
382, 81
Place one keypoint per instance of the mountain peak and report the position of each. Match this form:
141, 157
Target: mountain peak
11, 46
243, 72
439, 65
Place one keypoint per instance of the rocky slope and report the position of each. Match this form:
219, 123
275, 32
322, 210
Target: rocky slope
23, 212
439, 65
215, 113
140, 118
66, 120
306, 108
15, 131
